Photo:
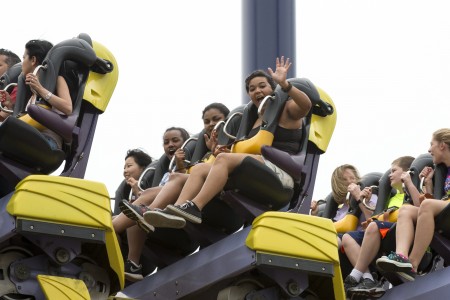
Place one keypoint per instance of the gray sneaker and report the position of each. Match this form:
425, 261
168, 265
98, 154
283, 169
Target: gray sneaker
350, 282
368, 288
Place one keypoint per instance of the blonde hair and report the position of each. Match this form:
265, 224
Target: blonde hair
442, 135
339, 184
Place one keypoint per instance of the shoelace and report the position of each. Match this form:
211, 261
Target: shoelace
186, 205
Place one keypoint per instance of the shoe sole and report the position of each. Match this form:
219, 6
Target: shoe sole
133, 215
406, 276
370, 293
389, 265
164, 220
181, 213
133, 277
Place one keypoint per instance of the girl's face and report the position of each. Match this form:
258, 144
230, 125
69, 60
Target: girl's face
437, 150
210, 118
28, 63
172, 140
258, 88
349, 176
132, 169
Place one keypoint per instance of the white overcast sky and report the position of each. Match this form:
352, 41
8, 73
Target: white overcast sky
386, 65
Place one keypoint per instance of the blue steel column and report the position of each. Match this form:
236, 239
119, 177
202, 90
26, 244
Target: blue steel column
268, 31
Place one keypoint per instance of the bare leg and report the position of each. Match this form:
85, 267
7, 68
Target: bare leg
407, 217
351, 248
195, 182
122, 222
136, 240
369, 248
224, 164
148, 196
429, 209
170, 191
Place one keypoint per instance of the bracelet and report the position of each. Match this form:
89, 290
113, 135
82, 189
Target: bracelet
48, 96
289, 87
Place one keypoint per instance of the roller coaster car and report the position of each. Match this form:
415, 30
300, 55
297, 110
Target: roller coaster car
282, 255
56, 234
11, 76
434, 283
351, 219
166, 246
73, 59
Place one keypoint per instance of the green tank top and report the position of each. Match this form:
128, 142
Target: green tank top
396, 200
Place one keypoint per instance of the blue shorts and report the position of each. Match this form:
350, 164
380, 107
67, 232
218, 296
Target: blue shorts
383, 227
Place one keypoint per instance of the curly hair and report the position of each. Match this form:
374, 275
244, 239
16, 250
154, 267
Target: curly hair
259, 73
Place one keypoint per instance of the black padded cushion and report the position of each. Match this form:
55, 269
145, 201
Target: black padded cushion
262, 185
291, 164
25, 144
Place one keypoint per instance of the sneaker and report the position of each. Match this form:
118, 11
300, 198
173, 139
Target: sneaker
136, 213
133, 272
368, 288
409, 275
350, 282
188, 211
397, 263
163, 219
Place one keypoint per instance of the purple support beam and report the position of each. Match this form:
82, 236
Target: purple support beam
268, 31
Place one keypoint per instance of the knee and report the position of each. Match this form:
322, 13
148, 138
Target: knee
406, 212
372, 228
426, 206
221, 158
175, 176
346, 240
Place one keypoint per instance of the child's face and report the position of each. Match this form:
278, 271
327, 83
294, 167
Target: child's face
395, 176
349, 176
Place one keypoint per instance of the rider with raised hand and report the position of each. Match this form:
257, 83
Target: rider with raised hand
204, 188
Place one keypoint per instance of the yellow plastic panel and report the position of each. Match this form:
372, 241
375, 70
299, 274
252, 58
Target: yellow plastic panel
115, 256
294, 235
61, 288
322, 128
347, 223
254, 144
62, 200
297, 235
100, 87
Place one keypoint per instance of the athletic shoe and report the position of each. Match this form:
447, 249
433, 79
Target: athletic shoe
163, 219
397, 263
188, 211
136, 213
133, 272
350, 282
368, 288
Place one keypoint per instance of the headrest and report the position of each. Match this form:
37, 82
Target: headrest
10, 76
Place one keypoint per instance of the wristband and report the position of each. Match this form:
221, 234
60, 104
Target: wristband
288, 88
48, 96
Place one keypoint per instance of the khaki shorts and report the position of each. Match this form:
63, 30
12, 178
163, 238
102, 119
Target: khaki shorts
284, 177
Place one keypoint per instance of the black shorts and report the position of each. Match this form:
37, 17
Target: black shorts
383, 227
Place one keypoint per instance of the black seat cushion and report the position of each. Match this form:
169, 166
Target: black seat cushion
25, 144
257, 181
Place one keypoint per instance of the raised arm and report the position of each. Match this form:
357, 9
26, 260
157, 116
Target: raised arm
301, 104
